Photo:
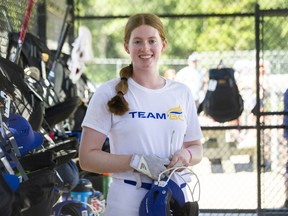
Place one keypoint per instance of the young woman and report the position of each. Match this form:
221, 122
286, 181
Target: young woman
151, 121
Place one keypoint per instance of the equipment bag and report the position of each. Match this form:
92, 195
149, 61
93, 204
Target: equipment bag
222, 101
38, 194
6, 196
24, 101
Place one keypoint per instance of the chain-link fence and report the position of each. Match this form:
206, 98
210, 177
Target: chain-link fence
244, 164
11, 18
45, 22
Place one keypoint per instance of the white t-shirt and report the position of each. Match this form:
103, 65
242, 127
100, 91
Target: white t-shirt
158, 120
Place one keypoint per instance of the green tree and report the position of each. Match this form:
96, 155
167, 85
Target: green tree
190, 25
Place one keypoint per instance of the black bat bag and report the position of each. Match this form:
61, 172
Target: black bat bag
222, 101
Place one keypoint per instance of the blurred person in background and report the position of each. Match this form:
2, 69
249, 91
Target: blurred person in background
193, 76
170, 74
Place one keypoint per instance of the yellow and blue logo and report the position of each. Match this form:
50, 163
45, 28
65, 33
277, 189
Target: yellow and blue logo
175, 113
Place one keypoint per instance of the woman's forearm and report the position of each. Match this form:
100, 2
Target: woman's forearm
195, 149
197, 154
93, 159
98, 161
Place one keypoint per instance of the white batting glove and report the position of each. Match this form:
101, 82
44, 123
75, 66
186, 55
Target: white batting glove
150, 165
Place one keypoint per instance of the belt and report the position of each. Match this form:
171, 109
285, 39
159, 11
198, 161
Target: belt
147, 185
143, 185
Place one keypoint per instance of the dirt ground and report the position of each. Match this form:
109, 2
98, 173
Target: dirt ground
239, 190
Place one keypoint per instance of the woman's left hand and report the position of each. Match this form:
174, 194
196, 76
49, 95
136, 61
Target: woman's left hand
180, 158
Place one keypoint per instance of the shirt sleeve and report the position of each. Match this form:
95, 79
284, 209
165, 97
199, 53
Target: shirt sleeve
97, 116
193, 131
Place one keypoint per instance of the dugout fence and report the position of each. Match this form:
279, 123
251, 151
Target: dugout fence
244, 165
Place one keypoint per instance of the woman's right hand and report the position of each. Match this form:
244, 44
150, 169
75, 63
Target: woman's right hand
150, 165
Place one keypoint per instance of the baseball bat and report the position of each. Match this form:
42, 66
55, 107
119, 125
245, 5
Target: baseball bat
23, 31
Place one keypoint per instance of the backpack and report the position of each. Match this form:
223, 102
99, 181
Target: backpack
222, 101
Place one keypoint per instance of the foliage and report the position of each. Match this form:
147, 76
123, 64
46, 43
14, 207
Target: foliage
184, 34
203, 26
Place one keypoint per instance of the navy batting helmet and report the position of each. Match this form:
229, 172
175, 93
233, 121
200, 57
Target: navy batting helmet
166, 197
162, 199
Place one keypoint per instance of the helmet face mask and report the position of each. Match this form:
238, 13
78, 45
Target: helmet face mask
166, 198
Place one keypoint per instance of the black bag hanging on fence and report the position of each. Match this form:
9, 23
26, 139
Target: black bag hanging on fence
222, 101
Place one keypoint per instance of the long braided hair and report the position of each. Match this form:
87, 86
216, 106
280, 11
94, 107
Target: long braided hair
118, 105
